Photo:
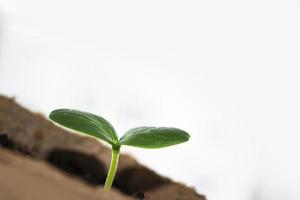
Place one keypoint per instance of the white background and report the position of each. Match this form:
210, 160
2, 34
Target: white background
225, 71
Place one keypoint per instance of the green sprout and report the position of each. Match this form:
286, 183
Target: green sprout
96, 126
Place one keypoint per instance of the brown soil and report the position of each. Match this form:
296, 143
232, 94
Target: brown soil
28, 179
40, 142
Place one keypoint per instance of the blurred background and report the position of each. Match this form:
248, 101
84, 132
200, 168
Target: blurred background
225, 71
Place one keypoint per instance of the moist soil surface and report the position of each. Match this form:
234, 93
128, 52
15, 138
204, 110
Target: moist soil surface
31, 137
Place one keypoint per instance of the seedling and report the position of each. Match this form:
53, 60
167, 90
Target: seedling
96, 126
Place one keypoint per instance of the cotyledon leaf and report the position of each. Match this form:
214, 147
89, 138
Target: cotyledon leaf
86, 123
154, 137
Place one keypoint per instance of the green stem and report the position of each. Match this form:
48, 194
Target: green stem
113, 167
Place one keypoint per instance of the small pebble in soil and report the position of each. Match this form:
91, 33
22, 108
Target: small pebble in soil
139, 196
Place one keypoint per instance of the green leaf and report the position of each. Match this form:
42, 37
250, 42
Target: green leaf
86, 123
153, 137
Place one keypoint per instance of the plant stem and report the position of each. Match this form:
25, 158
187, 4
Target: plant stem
113, 167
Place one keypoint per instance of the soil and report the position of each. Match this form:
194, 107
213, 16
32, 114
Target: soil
80, 161
28, 179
